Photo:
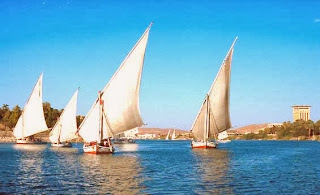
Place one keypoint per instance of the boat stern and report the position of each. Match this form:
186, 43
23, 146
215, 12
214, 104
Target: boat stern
203, 145
97, 149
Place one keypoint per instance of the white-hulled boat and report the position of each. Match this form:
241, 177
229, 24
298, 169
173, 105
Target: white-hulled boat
117, 107
32, 119
222, 137
214, 116
66, 126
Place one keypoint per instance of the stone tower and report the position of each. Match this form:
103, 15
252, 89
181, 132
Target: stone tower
301, 112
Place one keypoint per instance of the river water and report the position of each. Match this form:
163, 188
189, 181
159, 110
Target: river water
163, 167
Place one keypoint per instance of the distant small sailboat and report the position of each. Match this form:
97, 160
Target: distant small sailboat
65, 128
222, 137
214, 116
117, 107
168, 135
32, 119
173, 137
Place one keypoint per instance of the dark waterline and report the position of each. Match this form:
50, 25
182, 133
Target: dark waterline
162, 167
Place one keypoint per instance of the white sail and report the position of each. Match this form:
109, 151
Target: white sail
66, 126
90, 126
199, 125
32, 119
173, 135
121, 94
168, 135
120, 97
223, 135
218, 97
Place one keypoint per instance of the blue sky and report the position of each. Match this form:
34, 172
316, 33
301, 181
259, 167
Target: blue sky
79, 44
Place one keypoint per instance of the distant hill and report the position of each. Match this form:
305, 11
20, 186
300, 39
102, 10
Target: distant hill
254, 128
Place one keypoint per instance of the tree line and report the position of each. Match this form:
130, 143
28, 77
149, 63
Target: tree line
9, 118
289, 130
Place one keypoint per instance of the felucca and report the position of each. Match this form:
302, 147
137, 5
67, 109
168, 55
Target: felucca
222, 137
168, 135
32, 119
214, 116
66, 127
173, 137
117, 107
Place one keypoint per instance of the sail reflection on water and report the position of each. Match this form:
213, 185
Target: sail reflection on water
34, 149
213, 167
130, 147
29, 167
106, 174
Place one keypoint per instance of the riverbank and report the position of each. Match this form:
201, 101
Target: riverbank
8, 137
271, 138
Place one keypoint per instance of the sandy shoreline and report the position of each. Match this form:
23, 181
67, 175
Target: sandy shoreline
13, 140
7, 140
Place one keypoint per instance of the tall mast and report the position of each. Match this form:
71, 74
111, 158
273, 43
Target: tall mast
121, 95
208, 118
22, 124
101, 118
205, 133
60, 127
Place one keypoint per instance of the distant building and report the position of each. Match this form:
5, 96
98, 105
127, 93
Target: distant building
270, 125
132, 133
301, 112
147, 136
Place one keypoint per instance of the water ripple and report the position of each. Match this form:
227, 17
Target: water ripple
163, 167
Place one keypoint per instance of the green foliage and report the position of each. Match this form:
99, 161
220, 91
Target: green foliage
9, 118
79, 120
6, 118
260, 135
14, 116
3, 110
297, 129
50, 114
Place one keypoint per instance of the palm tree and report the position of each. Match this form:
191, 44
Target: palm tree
310, 125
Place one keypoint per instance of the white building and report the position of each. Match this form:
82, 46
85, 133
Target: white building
132, 133
147, 136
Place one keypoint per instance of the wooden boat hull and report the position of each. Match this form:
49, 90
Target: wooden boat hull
27, 141
203, 145
60, 145
96, 149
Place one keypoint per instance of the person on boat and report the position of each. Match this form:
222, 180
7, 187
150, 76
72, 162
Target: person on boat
106, 142
91, 143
